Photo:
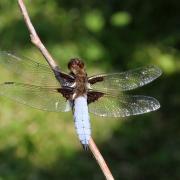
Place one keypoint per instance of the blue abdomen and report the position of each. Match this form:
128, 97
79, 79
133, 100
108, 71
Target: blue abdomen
82, 120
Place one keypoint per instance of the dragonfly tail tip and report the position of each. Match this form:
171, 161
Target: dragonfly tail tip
85, 147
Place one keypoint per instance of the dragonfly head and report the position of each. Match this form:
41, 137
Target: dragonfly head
75, 65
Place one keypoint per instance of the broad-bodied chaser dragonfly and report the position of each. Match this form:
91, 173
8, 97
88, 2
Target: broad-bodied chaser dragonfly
101, 95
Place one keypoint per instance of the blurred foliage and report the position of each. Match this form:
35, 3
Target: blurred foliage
120, 19
110, 36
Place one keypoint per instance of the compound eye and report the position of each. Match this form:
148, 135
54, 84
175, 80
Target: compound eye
81, 64
75, 63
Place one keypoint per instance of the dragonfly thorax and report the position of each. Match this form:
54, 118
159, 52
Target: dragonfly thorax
80, 87
77, 69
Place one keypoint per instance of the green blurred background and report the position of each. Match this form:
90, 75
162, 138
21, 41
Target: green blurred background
109, 35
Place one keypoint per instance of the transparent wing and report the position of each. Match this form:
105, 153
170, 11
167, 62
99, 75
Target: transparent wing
29, 71
44, 98
124, 105
124, 81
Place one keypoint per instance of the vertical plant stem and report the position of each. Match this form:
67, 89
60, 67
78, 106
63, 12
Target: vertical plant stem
100, 160
38, 43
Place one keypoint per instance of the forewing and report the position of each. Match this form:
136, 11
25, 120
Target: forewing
30, 71
111, 83
123, 105
44, 98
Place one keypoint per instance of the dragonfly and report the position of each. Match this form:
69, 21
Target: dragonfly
102, 94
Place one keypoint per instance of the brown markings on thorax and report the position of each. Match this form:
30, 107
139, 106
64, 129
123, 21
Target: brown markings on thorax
81, 82
77, 69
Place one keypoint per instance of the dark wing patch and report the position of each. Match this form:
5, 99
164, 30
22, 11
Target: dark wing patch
63, 78
94, 96
96, 79
66, 92
68, 77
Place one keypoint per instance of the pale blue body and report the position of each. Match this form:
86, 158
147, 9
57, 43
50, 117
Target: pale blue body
82, 120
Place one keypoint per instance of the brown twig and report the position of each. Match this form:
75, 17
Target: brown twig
37, 42
99, 158
35, 38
